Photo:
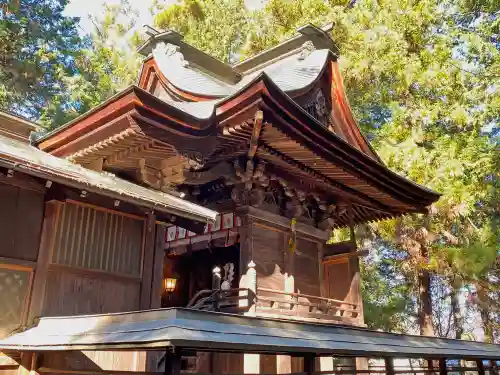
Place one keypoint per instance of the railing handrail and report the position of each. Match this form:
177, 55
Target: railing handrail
198, 295
293, 294
212, 292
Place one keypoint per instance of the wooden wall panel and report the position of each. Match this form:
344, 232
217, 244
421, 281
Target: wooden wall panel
91, 360
268, 364
73, 293
337, 280
268, 251
100, 240
306, 268
227, 363
20, 222
297, 364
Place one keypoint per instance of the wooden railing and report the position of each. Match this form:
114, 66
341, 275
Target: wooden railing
304, 305
274, 303
231, 300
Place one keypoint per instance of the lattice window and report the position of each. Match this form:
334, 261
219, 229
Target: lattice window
14, 286
100, 240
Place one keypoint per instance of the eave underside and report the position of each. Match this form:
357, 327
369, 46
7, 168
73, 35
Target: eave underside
134, 152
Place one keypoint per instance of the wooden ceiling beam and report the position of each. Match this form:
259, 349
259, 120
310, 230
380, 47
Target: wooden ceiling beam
338, 188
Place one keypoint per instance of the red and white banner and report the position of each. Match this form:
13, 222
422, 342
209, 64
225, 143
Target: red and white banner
223, 222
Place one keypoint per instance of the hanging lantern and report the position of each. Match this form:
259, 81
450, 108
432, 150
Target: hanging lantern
170, 283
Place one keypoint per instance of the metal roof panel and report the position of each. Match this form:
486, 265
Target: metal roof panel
216, 331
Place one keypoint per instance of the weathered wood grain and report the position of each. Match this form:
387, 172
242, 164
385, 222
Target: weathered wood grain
52, 210
21, 219
98, 239
75, 293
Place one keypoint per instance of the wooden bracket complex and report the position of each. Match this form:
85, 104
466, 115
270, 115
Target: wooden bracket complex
257, 127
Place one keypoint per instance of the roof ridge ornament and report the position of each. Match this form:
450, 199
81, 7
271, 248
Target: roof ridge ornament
170, 50
306, 49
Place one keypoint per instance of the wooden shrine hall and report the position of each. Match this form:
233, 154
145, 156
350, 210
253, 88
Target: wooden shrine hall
271, 145
74, 240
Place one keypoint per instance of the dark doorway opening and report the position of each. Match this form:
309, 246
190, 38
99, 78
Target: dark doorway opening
193, 271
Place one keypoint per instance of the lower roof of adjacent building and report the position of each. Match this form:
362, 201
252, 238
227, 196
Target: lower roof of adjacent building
202, 330
22, 157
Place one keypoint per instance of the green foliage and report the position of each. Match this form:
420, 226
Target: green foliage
108, 65
38, 47
387, 295
217, 27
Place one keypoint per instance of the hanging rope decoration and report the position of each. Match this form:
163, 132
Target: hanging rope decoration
292, 241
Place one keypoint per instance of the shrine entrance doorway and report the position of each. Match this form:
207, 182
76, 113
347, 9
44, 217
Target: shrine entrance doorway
193, 272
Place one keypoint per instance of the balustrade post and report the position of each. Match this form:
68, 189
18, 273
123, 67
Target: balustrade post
216, 278
252, 286
216, 282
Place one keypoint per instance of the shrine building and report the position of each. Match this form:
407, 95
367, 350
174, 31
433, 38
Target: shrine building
250, 283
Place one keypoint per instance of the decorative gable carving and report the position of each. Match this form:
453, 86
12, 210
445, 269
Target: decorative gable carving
319, 108
169, 51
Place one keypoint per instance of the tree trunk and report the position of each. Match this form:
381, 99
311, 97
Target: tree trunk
425, 306
486, 320
458, 319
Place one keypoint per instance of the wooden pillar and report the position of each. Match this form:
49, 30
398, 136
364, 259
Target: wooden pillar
480, 367
147, 361
246, 253
389, 366
159, 260
148, 261
442, 367
35, 363
309, 364
172, 362
350, 213
354, 271
49, 230
284, 362
321, 270
28, 364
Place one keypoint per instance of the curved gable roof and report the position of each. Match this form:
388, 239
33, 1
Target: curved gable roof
200, 112
291, 74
